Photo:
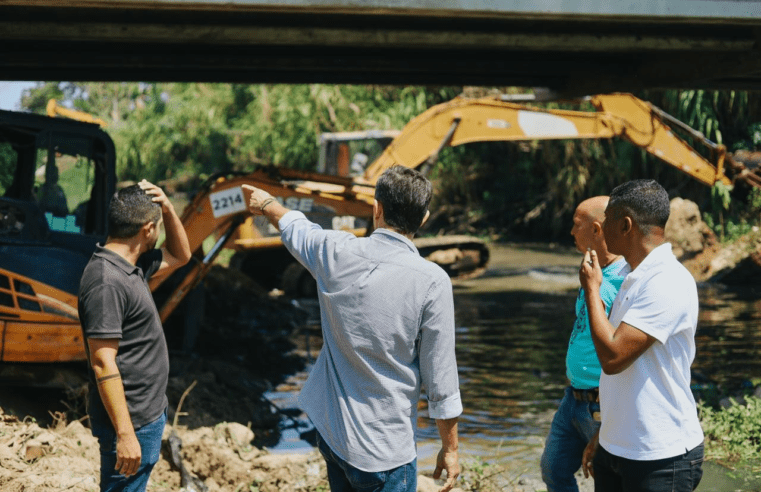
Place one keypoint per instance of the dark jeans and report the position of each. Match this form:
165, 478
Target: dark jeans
572, 427
345, 478
149, 437
678, 474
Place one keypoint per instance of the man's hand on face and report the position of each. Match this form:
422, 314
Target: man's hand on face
590, 273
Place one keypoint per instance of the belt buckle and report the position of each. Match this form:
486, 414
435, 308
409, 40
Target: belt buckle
588, 395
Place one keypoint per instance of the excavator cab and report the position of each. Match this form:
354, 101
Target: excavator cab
347, 154
56, 179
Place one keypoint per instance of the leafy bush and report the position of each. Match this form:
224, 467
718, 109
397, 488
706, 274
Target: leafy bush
731, 220
7, 166
733, 435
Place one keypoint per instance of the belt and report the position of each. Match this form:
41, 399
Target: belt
591, 395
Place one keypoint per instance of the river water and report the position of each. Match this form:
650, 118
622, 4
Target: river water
513, 325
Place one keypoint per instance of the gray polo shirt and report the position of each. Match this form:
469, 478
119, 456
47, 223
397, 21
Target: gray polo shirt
115, 302
388, 326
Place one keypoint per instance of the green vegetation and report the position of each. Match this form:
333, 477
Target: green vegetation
166, 131
733, 435
7, 165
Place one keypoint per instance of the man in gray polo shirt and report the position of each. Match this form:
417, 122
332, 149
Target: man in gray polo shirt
124, 338
388, 326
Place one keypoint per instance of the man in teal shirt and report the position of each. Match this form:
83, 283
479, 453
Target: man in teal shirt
578, 417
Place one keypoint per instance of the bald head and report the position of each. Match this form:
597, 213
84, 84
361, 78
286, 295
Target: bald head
593, 208
587, 225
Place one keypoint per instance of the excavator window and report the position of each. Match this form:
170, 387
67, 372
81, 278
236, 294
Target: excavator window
63, 184
350, 156
6, 297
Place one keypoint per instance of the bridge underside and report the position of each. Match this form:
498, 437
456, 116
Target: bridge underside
570, 54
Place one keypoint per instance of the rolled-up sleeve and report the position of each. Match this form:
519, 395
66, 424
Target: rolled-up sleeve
438, 364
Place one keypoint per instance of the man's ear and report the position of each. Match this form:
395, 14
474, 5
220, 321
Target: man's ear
425, 219
627, 225
148, 228
377, 210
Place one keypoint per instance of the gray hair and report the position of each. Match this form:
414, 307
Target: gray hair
405, 195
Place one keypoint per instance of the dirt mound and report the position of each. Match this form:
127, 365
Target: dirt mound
65, 457
697, 247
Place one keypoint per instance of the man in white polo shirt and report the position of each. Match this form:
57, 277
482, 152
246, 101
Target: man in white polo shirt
650, 438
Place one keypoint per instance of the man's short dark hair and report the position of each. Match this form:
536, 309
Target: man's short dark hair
405, 195
131, 208
644, 200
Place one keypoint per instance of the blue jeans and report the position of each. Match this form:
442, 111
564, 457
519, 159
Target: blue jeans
677, 474
345, 478
149, 437
572, 428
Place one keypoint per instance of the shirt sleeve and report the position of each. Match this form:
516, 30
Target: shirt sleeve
303, 238
656, 307
608, 292
150, 262
103, 312
438, 364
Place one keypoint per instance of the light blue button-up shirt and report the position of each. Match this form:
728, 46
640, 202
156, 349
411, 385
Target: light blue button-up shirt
388, 325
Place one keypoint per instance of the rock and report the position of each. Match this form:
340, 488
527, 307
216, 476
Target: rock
277, 461
685, 229
35, 449
240, 435
46, 438
427, 484
744, 272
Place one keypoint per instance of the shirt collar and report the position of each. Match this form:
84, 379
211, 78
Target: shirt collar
616, 266
656, 257
116, 259
389, 236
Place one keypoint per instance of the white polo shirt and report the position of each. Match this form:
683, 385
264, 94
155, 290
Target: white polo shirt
648, 411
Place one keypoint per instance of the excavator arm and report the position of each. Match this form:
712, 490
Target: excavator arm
462, 121
220, 208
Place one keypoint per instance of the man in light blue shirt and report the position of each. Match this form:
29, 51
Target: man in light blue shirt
577, 418
388, 326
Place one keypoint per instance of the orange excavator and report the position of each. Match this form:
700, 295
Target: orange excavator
57, 176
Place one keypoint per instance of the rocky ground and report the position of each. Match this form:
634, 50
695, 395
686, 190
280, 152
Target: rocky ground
221, 458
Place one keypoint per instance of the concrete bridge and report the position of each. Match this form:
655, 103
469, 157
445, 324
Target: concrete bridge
573, 47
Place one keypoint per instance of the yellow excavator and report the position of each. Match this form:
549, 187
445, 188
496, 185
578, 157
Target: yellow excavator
462, 121
357, 159
48, 231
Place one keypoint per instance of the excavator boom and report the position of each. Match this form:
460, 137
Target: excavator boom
219, 209
462, 121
